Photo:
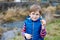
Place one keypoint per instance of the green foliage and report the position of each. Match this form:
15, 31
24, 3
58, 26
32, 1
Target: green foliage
53, 30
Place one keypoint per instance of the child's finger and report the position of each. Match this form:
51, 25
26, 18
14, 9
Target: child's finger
43, 21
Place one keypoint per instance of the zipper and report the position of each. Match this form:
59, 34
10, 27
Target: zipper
33, 30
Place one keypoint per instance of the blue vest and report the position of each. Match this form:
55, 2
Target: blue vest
33, 28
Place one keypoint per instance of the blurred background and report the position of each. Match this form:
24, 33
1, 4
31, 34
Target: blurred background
14, 12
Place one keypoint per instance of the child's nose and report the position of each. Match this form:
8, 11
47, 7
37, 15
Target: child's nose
34, 15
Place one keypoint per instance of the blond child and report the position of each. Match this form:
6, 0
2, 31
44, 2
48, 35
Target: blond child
34, 26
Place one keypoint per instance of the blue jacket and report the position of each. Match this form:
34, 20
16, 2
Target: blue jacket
33, 28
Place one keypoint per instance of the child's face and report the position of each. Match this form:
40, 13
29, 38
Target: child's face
34, 15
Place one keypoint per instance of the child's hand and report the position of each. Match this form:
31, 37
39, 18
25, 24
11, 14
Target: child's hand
43, 22
28, 36
43, 33
43, 27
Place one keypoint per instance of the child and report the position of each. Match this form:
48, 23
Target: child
34, 26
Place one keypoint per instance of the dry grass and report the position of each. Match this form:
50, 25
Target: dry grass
1, 0
15, 14
52, 8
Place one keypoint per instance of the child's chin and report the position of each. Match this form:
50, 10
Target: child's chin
34, 19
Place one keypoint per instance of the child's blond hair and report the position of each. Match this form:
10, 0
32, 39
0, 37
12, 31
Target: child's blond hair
34, 8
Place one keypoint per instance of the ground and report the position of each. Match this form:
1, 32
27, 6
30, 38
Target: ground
53, 31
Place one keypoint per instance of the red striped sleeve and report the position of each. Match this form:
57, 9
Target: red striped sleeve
43, 33
23, 29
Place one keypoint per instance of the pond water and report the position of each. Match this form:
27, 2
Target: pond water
18, 24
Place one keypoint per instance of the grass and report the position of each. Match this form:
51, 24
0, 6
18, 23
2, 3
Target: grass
14, 14
53, 30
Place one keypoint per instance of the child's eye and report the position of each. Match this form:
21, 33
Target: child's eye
37, 14
33, 13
